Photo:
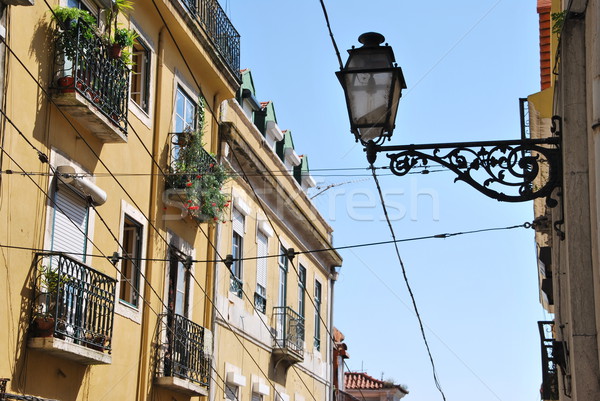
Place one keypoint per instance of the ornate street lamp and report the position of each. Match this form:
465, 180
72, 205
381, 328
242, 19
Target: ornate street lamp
526, 168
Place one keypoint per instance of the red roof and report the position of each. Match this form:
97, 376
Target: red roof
362, 381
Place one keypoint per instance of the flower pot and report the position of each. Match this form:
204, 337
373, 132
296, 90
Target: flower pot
66, 84
43, 326
115, 50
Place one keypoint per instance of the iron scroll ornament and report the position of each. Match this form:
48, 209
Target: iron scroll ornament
531, 168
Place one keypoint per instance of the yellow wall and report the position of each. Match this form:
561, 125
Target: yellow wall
24, 217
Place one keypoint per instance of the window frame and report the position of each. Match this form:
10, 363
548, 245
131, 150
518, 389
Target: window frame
124, 308
260, 294
301, 290
237, 250
132, 260
146, 74
318, 301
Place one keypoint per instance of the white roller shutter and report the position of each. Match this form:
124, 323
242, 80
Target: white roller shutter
238, 222
69, 231
261, 262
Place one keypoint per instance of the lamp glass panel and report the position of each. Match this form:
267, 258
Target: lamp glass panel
368, 99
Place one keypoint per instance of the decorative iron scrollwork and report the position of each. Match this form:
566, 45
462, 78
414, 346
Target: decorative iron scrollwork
518, 167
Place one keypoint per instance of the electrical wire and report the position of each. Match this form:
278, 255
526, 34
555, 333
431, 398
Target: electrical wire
337, 248
408, 287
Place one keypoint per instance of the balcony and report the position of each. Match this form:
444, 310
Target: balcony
260, 302
92, 86
289, 341
183, 355
210, 17
552, 356
195, 179
73, 310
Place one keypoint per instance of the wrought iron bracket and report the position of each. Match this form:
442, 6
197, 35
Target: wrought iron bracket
508, 170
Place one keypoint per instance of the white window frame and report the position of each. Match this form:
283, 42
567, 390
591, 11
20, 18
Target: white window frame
137, 110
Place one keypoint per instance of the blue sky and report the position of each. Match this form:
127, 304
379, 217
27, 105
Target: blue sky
466, 63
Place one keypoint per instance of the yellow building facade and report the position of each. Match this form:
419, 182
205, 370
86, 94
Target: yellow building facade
274, 297
108, 243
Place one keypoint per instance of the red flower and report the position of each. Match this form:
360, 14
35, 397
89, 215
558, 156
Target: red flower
216, 218
214, 204
198, 176
189, 201
226, 205
194, 207
188, 184
211, 165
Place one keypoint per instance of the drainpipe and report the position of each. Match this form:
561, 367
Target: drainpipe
212, 268
143, 371
332, 278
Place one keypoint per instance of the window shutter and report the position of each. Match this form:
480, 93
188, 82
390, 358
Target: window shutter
238, 222
69, 233
261, 262
256, 397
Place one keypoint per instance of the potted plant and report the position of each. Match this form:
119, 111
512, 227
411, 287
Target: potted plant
119, 6
66, 36
122, 39
44, 318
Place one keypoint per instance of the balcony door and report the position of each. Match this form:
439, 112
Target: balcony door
281, 298
178, 352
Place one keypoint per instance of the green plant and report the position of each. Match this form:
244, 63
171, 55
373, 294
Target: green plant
66, 33
201, 177
124, 37
49, 284
119, 6
558, 20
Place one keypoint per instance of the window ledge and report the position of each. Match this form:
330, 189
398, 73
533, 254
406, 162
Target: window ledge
69, 350
129, 312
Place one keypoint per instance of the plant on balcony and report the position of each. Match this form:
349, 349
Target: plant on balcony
201, 184
49, 284
200, 177
122, 41
66, 34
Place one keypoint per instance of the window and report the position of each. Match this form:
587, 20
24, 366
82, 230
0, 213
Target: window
185, 116
237, 245
179, 283
301, 289
130, 266
83, 5
256, 397
185, 111
140, 74
317, 315
70, 223
283, 268
231, 392
262, 250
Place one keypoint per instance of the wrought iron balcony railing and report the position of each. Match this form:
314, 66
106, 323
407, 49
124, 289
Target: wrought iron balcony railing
187, 162
290, 330
217, 26
184, 350
236, 286
85, 66
73, 302
550, 361
260, 302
